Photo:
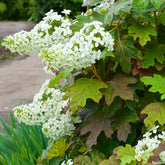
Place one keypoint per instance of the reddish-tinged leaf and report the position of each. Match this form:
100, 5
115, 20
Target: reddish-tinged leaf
137, 69
83, 89
122, 123
156, 153
97, 123
118, 86
155, 112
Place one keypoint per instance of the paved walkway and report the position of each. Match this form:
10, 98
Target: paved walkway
20, 79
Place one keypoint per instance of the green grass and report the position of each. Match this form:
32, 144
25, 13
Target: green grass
20, 143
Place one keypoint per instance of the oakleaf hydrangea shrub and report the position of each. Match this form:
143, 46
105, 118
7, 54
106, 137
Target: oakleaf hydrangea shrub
103, 63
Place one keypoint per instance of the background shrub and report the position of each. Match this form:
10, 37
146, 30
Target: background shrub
34, 10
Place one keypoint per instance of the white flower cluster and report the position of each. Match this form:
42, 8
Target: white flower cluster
51, 30
47, 109
150, 142
67, 162
81, 51
103, 6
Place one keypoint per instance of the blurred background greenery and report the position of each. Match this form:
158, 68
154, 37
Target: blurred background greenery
34, 10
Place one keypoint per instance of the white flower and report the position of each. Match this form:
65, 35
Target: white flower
67, 12
81, 50
47, 110
149, 142
67, 162
154, 129
51, 30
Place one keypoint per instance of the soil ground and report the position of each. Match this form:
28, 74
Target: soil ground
20, 79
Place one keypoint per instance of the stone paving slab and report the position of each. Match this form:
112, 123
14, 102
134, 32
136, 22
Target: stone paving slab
21, 77
11, 27
20, 80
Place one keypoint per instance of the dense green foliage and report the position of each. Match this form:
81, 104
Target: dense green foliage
38, 8
35, 10
15, 10
120, 97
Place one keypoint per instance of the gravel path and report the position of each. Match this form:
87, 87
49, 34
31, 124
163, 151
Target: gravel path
20, 78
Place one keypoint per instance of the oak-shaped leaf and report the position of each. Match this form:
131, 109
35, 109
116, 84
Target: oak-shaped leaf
140, 4
93, 159
124, 52
155, 112
122, 123
153, 51
83, 89
58, 149
142, 32
97, 123
81, 19
127, 155
118, 86
61, 74
156, 153
112, 160
138, 69
157, 3
157, 82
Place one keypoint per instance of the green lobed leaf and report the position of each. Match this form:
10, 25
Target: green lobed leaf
111, 161
151, 52
94, 159
127, 155
113, 107
157, 82
118, 86
140, 4
97, 123
124, 52
83, 89
61, 74
81, 19
105, 54
122, 123
155, 112
145, 156
142, 32
157, 3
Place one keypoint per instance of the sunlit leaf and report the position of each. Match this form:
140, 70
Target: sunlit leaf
157, 3
155, 112
142, 32
157, 84
127, 155
83, 89
58, 149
